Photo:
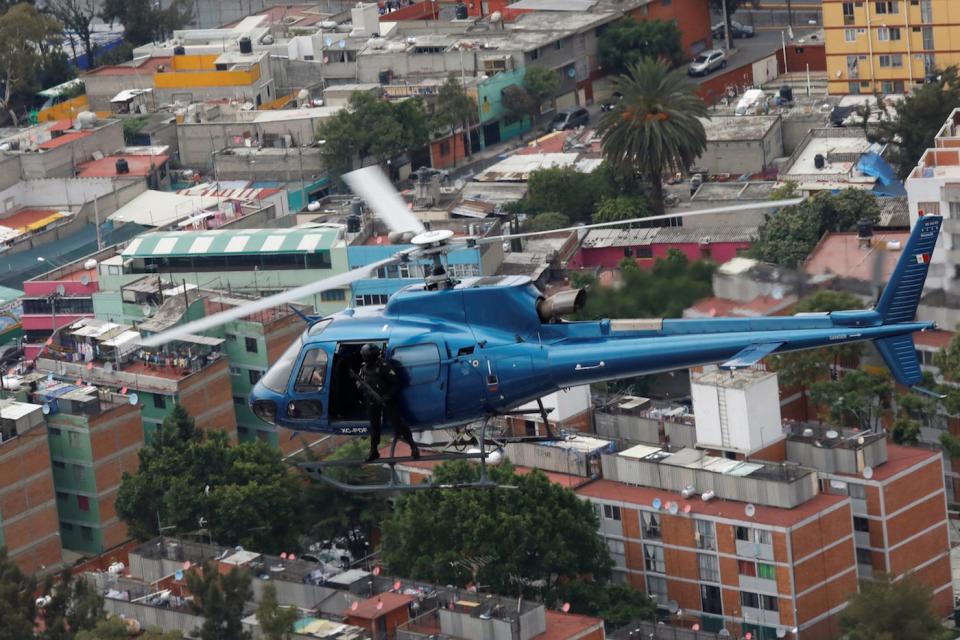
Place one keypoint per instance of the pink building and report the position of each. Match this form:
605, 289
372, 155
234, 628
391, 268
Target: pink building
605, 248
55, 299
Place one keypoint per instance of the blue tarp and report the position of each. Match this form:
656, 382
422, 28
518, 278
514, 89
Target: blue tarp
888, 184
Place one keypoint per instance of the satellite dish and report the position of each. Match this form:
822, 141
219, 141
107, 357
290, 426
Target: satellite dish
657, 503
860, 440
750, 510
328, 41
673, 606
781, 632
84, 279
777, 293
178, 575
397, 585
89, 366
147, 310
45, 409
674, 508
723, 633
868, 472
686, 508
133, 399
354, 606
49, 377
376, 571
343, 44
832, 435
696, 626
379, 605
566, 607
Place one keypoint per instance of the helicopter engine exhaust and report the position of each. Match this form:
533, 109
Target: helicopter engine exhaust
561, 304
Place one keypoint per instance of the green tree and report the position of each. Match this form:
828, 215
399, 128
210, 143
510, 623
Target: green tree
220, 599
26, 40
887, 610
541, 532
788, 237
454, 109
616, 604
17, 604
627, 41
372, 128
276, 622
244, 494
74, 606
910, 127
546, 222
857, 397
145, 20
621, 208
947, 359
655, 127
78, 16
333, 514
541, 84
785, 191
114, 628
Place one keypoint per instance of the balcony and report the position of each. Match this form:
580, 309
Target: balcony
750, 549
762, 617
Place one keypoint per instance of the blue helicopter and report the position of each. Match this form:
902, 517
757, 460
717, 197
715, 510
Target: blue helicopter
482, 347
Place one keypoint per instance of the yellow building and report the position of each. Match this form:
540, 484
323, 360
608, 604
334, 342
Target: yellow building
888, 45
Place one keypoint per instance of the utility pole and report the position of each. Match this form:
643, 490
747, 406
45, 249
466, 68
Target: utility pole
726, 24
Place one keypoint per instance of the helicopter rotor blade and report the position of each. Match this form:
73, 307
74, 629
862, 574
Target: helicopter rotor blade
372, 185
768, 204
277, 299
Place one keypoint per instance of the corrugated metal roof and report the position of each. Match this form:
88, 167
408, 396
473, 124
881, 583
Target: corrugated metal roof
232, 242
667, 235
613, 237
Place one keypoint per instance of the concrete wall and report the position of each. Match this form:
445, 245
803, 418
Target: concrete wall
796, 127
147, 616
61, 162
9, 170
198, 141
100, 88
743, 156
284, 166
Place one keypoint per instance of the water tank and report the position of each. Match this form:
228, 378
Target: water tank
819, 161
786, 93
313, 206
376, 43
90, 264
864, 229
86, 120
353, 224
179, 50
122, 166
267, 39
707, 496
461, 11
245, 45
496, 17
328, 24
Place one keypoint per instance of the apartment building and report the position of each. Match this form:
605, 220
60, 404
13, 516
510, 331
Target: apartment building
887, 46
28, 510
94, 436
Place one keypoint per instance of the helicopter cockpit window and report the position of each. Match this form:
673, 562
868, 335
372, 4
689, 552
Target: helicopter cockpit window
278, 375
313, 371
420, 362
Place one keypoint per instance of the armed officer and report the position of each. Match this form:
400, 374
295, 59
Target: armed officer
379, 383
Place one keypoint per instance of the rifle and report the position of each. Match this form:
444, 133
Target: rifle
366, 387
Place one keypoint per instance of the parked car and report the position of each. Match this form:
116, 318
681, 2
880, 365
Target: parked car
737, 30
708, 61
611, 102
569, 119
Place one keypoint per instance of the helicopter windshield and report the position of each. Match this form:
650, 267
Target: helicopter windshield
278, 375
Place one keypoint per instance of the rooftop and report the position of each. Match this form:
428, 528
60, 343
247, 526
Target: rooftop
717, 508
839, 253
901, 458
734, 191
935, 338
139, 166
841, 154
140, 66
232, 242
738, 128
759, 306
379, 605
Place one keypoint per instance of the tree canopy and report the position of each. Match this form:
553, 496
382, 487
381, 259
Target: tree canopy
145, 20
74, 606
114, 628
541, 532
244, 494
455, 108
526, 99
616, 208
276, 622
17, 604
578, 195
372, 128
220, 599
627, 41
655, 127
546, 222
788, 236
29, 41
887, 610
910, 127
856, 399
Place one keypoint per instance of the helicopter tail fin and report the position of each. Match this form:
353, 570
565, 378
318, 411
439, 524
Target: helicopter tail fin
900, 356
899, 300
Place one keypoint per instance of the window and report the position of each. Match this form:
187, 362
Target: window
709, 569
653, 558
159, 402
62, 496
313, 371
766, 571
239, 401
558, 45
53, 431
769, 603
864, 556
230, 337
926, 11
235, 371
83, 503
853, 88
251, 345
73, 438
747, 568
934, 208
857, 491
706, 535
887, 6
615, 546
421, 362
59, 465
749, 600
888, 33
611, 512
762, 536
651, 524
333, 295
369, 299
66, 526
891, 60
850, 35
848, 13
444, 148
710, 599
535, 54
86, 533
861, 524
928, 38
253, 376
743, 533
657, 588
644, 252
78, 473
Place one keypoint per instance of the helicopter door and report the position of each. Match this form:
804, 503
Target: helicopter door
465, 394
421, 372
310, 389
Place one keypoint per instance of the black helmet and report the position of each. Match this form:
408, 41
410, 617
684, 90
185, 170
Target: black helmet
370, 352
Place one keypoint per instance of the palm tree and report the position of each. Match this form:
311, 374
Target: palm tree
654, 127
